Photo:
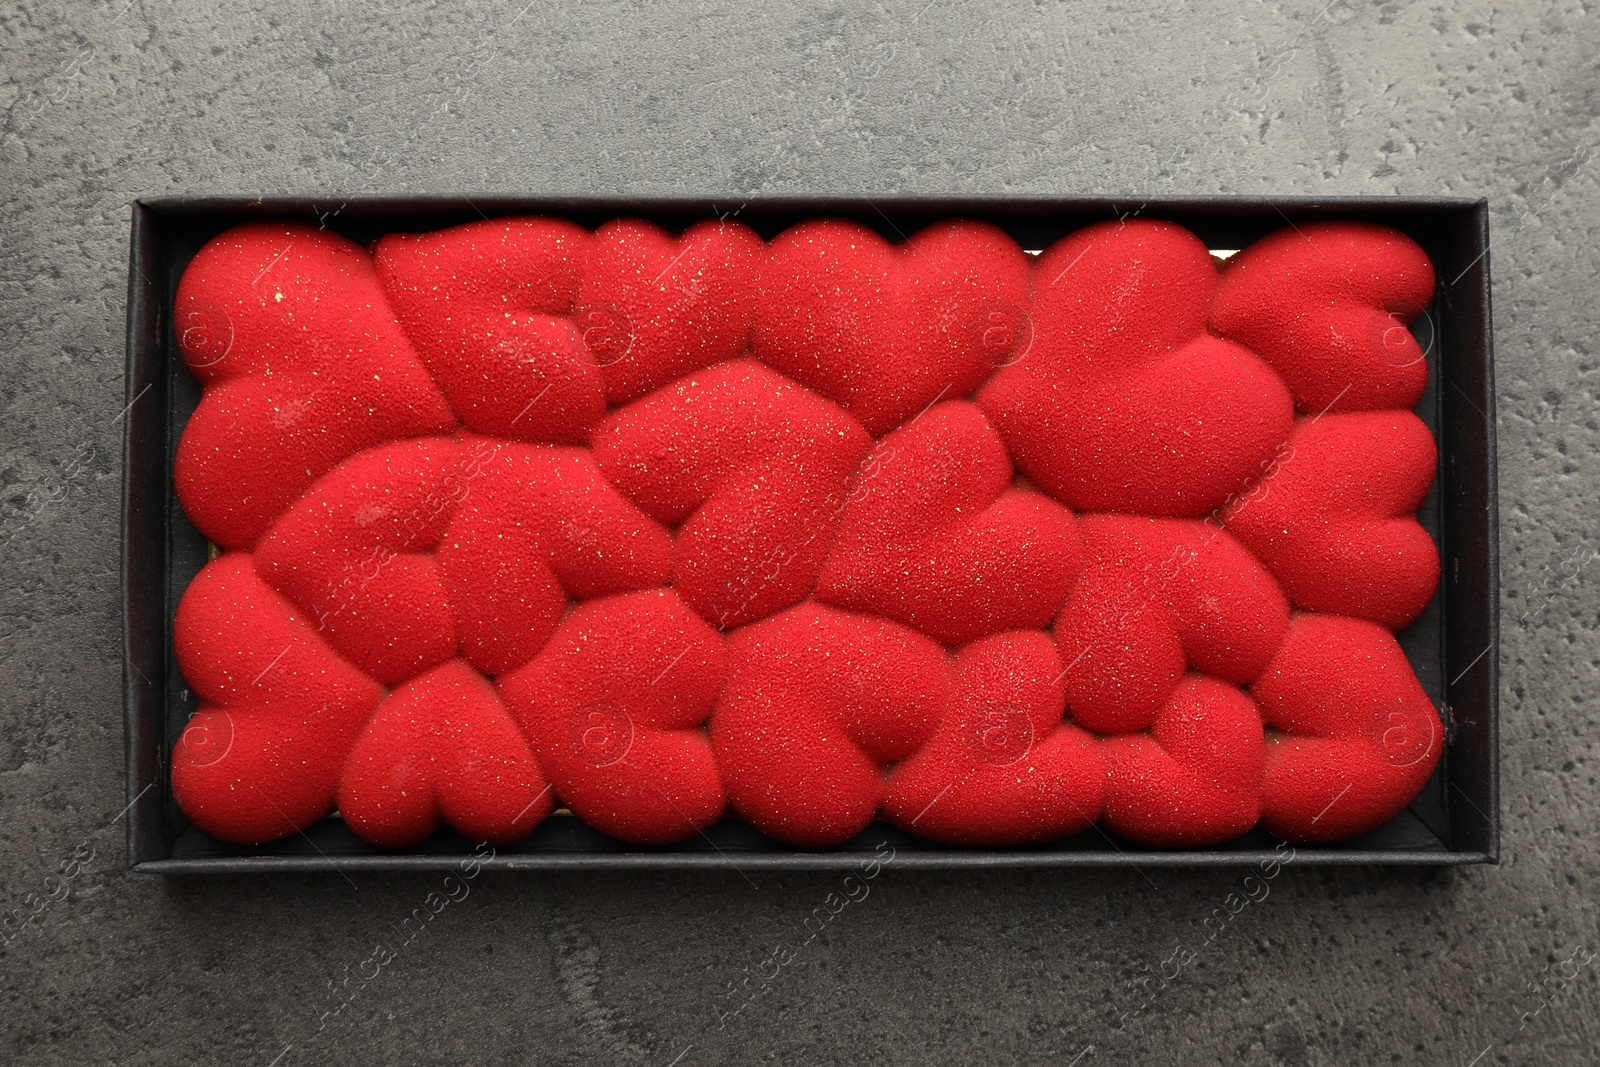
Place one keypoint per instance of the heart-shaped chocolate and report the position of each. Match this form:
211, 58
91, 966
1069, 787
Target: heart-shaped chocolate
1160, 597
1328, 305
1002, 769
935, 535
1353, 736
356, 554
1195, 778
279, 709
491, 308
654, 307
816, 703
1336, 520
613, 706
884, 330
752, 470
1125, 403
536, 527
304, 366
440, 749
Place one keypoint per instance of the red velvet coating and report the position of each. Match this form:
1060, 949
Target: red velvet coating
356, 555
885, 330
1354, 737
537, 526
303, 365
647, 525
1195, 778
1125, 402
490, 307
613, 706
1002, 768
934, 535
1327, 305
279, 709
1336, 523
653, 307
441, 750
753, 467
1160, 597
816, 703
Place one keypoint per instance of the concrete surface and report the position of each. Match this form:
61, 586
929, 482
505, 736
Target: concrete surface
104, 102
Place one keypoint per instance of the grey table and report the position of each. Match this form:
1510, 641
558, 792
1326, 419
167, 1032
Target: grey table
109, 101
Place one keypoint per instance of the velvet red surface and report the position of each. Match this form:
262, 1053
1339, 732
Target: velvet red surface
661, 527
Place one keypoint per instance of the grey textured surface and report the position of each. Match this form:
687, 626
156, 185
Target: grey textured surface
106, 102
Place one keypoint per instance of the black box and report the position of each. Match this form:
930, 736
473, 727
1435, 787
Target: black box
1454, 647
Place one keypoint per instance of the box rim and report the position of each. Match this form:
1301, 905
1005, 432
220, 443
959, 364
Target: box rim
176, 201
987, 859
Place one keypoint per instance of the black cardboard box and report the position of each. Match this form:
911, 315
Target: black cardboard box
1454, 646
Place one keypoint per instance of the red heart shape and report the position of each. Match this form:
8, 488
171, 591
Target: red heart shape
1328, 305
356, 555
654, 307
440, 749
1125, 403
935, 536
1002, 769
884, 330
1336, 522
1354, 737
491, 308
1194, 779
612, 707
816, 702
754, 469
303, 365
536, 527
1157, 598
279, 709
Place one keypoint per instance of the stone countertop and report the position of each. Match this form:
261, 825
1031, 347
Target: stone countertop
106, 102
